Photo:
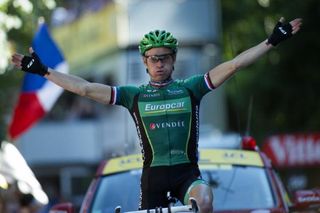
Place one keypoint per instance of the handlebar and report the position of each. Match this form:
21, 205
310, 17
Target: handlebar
175, 209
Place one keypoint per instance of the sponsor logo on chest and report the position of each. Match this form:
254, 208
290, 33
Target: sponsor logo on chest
175, 91
151, 95
162, 125
166, 106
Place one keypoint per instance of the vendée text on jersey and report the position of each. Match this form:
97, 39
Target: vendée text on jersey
172, 124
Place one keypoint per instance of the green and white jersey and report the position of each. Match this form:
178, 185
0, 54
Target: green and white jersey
167, 118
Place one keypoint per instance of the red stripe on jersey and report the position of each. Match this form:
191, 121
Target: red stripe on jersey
208, 81
113, 96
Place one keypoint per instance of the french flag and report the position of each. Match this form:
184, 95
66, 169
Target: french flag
38, 95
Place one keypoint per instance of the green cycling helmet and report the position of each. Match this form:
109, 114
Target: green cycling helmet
158, 38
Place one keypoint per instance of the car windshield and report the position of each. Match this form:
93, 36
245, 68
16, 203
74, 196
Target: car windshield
234, 188
120, 189
237, 188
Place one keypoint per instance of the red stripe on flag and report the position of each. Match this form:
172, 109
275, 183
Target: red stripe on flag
28, 111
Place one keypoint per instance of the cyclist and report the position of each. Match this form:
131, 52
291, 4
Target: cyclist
165, 111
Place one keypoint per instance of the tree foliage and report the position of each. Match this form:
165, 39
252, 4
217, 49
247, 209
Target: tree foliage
18, 22
284, 84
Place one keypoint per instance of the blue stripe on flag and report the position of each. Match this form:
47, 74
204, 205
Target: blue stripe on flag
46, 48
49, 54
32, 82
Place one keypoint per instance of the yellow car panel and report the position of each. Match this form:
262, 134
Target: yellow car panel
225, 156
209, 158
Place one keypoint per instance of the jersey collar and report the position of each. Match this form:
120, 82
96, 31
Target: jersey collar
161, 83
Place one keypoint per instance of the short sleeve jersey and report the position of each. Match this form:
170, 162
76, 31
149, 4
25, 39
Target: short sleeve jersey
166, 118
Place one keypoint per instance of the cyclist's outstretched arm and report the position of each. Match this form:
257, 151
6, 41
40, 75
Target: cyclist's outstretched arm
96, 91
72, 83
280, 33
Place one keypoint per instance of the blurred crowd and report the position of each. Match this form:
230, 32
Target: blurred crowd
20, 191
73, 9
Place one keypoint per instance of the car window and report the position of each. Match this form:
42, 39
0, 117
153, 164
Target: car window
239, 187
120, 189
234, 188
285, 195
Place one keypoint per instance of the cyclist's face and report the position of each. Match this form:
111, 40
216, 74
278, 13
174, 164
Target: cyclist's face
159, 62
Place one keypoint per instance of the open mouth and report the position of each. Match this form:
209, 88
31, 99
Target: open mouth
160, 71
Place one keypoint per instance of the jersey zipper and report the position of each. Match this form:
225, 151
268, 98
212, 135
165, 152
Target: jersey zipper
163, 91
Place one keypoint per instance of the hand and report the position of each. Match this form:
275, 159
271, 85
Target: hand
30, 64
282, 31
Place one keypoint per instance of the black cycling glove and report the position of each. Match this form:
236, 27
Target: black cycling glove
281, 32
32, 64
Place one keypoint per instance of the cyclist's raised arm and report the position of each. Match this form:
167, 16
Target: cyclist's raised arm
280, 33
96, 91
32, 64
225, 70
